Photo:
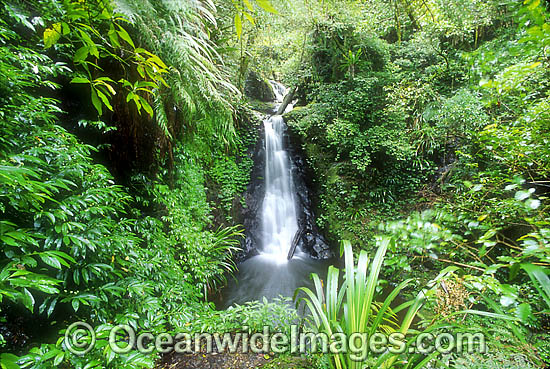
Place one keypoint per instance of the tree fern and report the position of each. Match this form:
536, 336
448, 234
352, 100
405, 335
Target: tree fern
200, 87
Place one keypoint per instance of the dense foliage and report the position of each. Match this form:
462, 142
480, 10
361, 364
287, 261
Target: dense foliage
94, 88
427, 121
124, 156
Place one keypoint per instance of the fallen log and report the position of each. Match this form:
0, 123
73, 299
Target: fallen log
295, 241
287, 99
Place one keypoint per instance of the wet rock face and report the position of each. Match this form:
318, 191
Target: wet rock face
258, 88
311, 241
252, 212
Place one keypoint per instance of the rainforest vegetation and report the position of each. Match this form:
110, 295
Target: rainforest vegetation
126, 136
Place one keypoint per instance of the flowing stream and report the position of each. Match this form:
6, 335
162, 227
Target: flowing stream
268, 273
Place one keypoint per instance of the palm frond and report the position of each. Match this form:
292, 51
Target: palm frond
200, 86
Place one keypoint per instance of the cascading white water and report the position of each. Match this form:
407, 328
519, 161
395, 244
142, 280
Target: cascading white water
279, 207
270, 274
279, 90
279, 218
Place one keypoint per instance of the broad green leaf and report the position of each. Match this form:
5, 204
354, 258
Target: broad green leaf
136, 100
249, 17
130, 96
92, 48
50, 260
146, 106
524, 312
266, 5
125, 36
50, 216
102, 82
52, 35
158, 61
238, 25
96, 102
63, 255
9, 361
248, 5
27, 299
81, 54
76, 304
141, 71
113, 37
65, 28
104, 99
9, 241
80, 80
58, 359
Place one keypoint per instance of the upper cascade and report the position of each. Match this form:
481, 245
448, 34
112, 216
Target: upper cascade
279, 89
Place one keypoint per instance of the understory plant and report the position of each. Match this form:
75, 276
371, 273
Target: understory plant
352, 308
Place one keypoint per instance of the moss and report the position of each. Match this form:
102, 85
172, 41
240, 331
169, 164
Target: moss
262, 106
258, 88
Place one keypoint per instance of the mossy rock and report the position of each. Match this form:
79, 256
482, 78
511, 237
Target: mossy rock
262, 106
258, 88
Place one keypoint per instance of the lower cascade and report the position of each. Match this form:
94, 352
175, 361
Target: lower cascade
283, 246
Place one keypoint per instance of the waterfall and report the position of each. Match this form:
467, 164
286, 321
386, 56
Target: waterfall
279, 90
278, 202
279, 206
279, 217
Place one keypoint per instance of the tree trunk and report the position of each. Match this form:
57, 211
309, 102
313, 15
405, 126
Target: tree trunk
288, 98
397, 22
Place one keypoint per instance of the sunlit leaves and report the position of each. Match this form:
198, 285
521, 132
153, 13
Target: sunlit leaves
238, 25
246, 12
134, 95
51, 35
532, 4
92, 44
266, 5
9, 361
124, 35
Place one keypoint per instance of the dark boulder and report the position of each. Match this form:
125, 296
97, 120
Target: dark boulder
258, 88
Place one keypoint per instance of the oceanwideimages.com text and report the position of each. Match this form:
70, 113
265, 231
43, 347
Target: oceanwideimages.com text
80, 339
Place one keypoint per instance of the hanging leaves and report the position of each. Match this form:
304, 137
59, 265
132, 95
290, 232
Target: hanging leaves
247, 13
149, 66
238, 25
266, 5
52, 35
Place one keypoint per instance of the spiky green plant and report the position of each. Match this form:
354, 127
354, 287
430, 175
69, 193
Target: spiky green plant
539, 277
352, 308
